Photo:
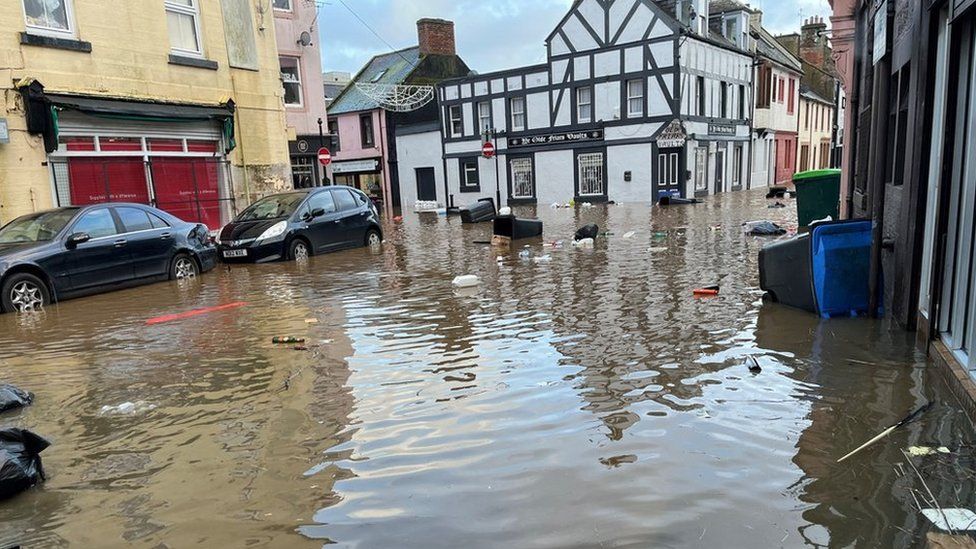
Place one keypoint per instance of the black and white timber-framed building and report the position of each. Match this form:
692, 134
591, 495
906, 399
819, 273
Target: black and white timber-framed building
637, 98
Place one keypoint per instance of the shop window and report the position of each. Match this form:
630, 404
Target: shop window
470, 176
584, 105
635, 98
523, 179
183, 20
366, 131
76, 144
591, 174
50, 17
457, 121
291, 80
517, 106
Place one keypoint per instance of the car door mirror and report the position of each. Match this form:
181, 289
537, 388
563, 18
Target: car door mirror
318, 212
76, 239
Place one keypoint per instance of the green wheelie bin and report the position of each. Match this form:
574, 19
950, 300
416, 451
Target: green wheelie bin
817, 195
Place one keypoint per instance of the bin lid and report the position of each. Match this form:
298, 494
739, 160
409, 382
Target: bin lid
816, 174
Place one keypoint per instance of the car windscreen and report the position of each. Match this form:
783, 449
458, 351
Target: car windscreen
40, 227
273, 207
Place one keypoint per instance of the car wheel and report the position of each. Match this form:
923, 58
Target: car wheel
299, 250
183, 267
24, 292
373, 238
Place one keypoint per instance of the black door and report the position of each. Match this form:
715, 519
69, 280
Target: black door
149, 246
325, 231
353, 214
426, 186
102, 261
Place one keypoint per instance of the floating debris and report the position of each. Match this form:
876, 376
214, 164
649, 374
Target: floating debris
12, 398
287, 340
952, 519
908, 419
466, 281
920, 451
127, 408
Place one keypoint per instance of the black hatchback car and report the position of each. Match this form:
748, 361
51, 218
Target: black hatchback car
60, 254
296, 225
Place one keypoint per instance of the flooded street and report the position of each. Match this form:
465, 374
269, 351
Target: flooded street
584, 400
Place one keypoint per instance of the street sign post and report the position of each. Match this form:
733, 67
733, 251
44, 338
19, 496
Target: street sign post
488, 150
325, 156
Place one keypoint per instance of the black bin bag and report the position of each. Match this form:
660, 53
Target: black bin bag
12, 398
20, 461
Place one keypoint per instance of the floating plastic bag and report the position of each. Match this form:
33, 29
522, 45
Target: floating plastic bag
466, 281
20, 461
12, 398
763, 228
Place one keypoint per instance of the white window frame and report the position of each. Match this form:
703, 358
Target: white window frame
701, 169
516, 127
580, 104
469, 165
69, 15
667, 169
525, 166
633, 98
289, 9
193, 11
585, 164
456, 123
484, 115
301, 89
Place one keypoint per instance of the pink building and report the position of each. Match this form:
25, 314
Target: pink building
301, 77
365, 154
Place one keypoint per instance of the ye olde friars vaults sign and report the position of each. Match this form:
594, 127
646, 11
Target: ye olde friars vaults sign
556, 138
673, 136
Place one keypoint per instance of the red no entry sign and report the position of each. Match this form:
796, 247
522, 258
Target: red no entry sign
325, 157
488, 150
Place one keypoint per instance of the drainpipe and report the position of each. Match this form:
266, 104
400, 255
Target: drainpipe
878, 158
850, 135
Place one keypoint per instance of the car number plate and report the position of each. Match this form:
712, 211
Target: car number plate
235, 253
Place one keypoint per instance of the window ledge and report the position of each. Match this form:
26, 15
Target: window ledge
192, 62
31, 39
469, 189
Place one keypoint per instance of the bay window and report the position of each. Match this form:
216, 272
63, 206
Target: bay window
183, 19
51, 17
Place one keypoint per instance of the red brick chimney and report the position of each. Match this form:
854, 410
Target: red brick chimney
436, 37
813, 42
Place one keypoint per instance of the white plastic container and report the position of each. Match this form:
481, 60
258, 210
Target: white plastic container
467, 281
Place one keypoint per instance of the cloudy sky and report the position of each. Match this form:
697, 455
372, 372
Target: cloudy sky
491, 34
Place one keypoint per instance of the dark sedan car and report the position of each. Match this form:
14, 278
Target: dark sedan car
299, 224
69, 252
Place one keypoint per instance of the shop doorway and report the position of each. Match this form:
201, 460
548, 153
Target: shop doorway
426, 184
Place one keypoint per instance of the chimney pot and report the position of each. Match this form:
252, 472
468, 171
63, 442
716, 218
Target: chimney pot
436, 37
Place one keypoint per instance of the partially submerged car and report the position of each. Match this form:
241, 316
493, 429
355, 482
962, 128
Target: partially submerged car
299, 224
69, 252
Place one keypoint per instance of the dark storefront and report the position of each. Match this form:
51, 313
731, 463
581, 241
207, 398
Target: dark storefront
306, 172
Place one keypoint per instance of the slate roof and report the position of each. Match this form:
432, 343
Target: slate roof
392, 68
716, 7
808, 93
768, 47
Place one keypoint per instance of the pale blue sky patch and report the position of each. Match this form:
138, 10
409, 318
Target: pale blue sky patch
491, 35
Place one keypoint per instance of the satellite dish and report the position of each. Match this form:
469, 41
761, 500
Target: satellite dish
305, 39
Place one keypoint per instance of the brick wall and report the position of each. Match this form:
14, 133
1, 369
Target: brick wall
436, 37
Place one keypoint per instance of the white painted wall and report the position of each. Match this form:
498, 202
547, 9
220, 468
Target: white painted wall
422, 150
554, 179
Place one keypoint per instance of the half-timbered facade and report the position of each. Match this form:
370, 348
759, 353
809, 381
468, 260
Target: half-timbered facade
637, 98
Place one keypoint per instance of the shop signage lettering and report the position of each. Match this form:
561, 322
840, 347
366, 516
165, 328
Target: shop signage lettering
555, 138
721, 129
354, 166
673, 136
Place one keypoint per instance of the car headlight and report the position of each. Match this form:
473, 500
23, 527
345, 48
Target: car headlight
274, 231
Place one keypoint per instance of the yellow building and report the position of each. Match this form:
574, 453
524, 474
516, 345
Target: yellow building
815, 132
177, 103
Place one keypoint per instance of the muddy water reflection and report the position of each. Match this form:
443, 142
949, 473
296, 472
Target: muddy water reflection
583, 400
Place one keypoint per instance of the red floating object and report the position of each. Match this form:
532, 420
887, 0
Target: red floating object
191, 314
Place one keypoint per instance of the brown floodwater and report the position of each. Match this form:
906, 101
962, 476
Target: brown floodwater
582, 400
